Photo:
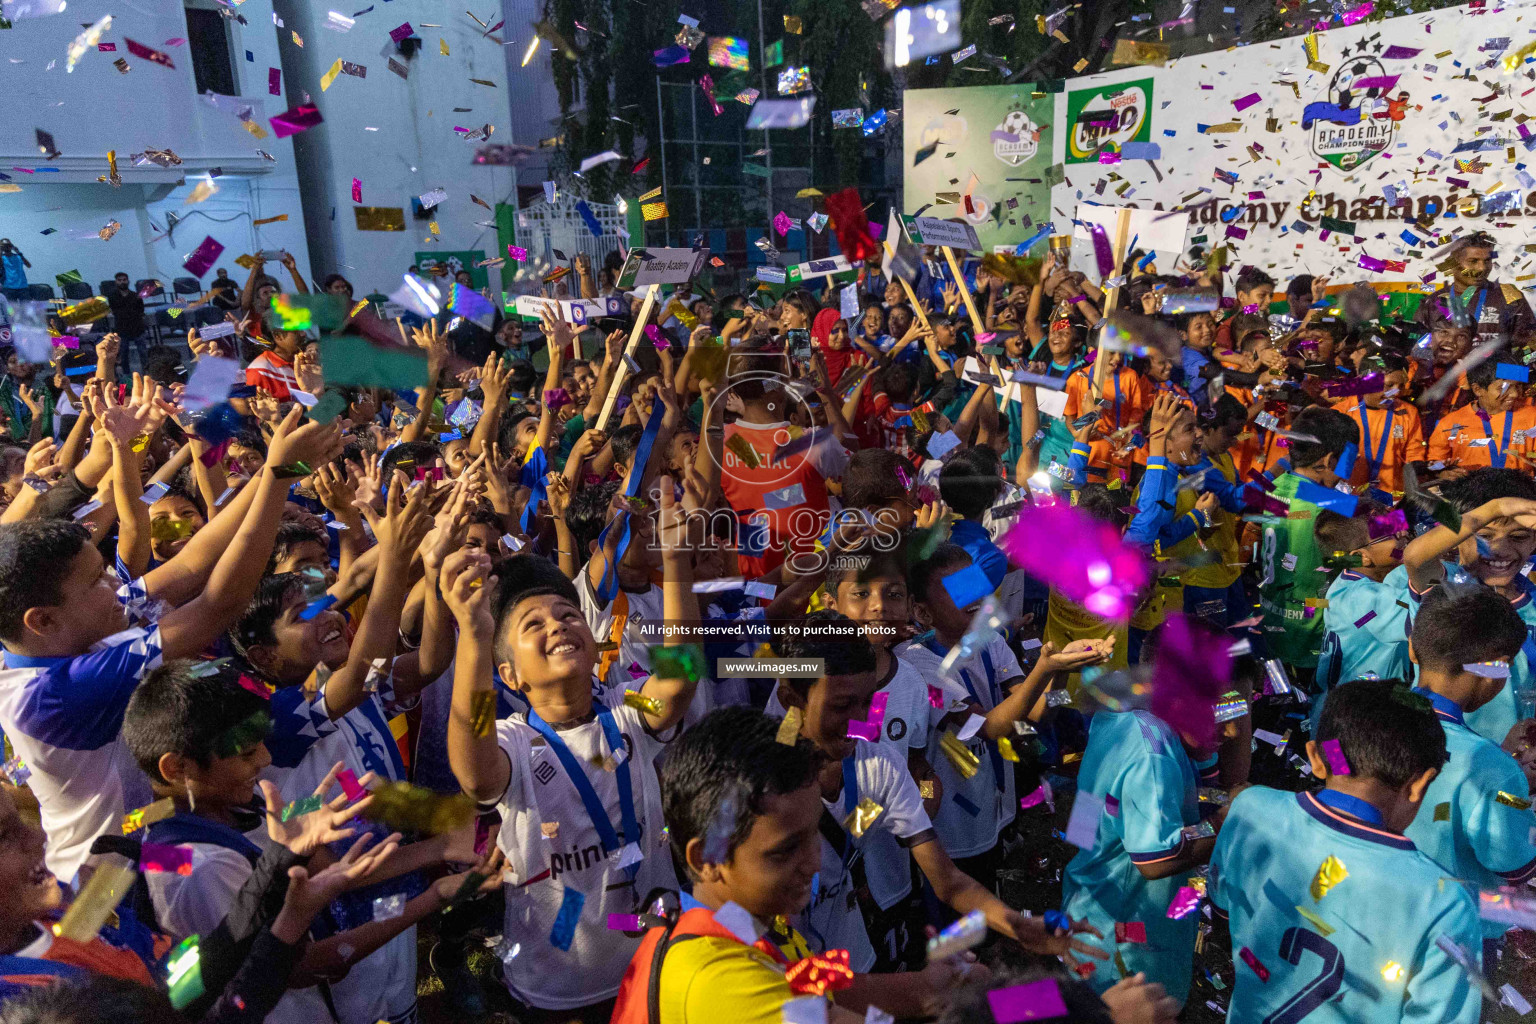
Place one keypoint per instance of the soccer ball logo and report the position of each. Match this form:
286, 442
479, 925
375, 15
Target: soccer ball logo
1016, 123
454, 264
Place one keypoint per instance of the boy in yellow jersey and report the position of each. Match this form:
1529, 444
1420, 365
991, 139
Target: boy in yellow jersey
1212, 589
743, 816
1066, 620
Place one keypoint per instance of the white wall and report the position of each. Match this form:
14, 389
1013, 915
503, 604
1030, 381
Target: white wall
96, 108
415, 148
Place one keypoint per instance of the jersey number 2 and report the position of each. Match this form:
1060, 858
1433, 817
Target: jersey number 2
1320, 989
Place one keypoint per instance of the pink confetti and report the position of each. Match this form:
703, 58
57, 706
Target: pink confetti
1130, 931
202, 258
357, 190
877, 709
517, 253
400, 32
292, 122
1080, 556
1389, 525
275, 81
1358, 14
350, 786
1247, 101
623, 922
1400, 53
1338, 764
1253, 962
172, 860
782, 223
484, 830
1035, 1000
106, 47
1382, 82
935, 696
1189, 675
1185, 902
1042, 795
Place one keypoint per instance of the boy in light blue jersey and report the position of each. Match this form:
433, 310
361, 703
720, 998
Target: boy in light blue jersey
1336, 917
1141, 782
1497, 538
1367, 618
1477, 825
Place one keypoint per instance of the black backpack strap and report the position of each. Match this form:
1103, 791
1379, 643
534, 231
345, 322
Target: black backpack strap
653, 984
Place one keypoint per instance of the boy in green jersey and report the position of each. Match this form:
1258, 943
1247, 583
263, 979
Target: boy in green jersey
1290, 585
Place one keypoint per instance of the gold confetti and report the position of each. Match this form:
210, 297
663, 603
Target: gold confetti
961, 756
926, 789
550, 829
1132, 51
1316, 922
1005, 748
1310, 42
482, 713
298, 40
789, 728
268, 220
1319, 67
255, 129
793, 24
1510, 800
148, 815
743, 450
1393, 971
640, 702
442, 47
861, 817
330, 75
1443, 811
109, 883
1082, 63
653, 211
1329, 874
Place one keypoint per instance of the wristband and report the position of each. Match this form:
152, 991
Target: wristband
290, 470
1080, 297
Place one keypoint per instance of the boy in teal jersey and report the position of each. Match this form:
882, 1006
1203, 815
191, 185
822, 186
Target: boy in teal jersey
1478, 823
1289, 558
1497, 538
1137, 776
1336, 918
1367, 619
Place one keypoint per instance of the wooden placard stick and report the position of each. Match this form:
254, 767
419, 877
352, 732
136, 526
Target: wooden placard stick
1111, 295
614, 389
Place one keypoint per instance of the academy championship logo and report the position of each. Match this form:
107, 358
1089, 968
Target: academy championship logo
1016, 139
1345, 129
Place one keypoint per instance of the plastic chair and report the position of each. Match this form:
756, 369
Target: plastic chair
39, 292
77, 290
187, 286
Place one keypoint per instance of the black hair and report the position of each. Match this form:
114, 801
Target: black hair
522, 376
1225, 411
1486, 372
289, 536
506, 431
967, 1003
1481, 486
34, 558
1334, 432
871, 478
1301, 286
729, 761
408, 456
589, 512
255, 627
184, 708
162, 364
1464, 624
969, 482
624, 442
89, 999
946, 558
831, 638
519, 578
1099, 502
331, 279
250, 437
1385, 731
181, 487
897, 381
1246, 325
1250, 278
1336, 533
865, 562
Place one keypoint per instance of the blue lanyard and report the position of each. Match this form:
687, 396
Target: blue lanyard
1496, 454
965, 677
608, 586
850, 784
1117, 399
1373, 462
595, 810
1351, 805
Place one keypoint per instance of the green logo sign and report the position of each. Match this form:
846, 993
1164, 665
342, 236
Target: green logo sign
1107, 118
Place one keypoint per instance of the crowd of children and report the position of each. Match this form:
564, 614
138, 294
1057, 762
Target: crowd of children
328, 668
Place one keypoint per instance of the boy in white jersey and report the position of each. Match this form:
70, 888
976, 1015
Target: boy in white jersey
575, 783
71, 660
1335, 916
858, 776
974, 810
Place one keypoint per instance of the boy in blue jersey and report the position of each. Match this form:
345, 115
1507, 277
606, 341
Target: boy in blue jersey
72, 658
1141, 788
970, 483
1477, 825
1367, 617
1496, 540
1335, 916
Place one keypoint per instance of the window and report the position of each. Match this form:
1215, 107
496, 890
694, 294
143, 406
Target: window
208, 46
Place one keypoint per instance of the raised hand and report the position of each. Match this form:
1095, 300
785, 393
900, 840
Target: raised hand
306, 368
303, 834
467, 585
296, 440
367, 479
309, 894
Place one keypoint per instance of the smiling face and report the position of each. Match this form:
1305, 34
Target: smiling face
88, 610
833, 702
1499, 395
551, 645
1201, 331
1498, 552
302, 645
1183, 441
225, 782
1474, 264
1449, 344
172, 522
874, 322
837, 340
877, 602
769, 873
900, 321
31, 891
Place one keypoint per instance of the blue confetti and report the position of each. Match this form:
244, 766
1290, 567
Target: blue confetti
567, 919
317, 606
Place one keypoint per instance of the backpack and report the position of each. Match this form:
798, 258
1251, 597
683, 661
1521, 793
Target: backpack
639, 1000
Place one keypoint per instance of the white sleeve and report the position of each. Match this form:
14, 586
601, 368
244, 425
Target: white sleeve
1003, 662
205, 897
890, 785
